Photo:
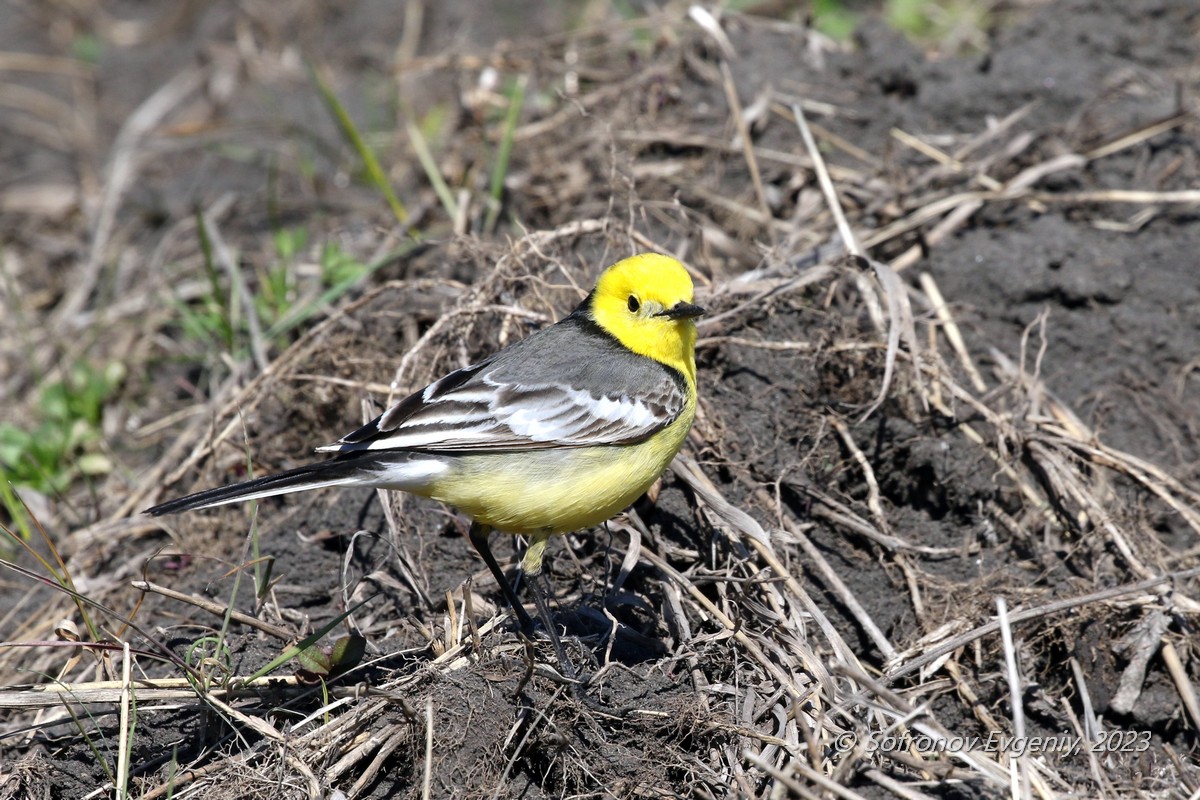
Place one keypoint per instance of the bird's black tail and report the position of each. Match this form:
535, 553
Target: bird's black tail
352, 469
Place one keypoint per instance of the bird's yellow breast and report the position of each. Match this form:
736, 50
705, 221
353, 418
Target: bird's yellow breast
558, 490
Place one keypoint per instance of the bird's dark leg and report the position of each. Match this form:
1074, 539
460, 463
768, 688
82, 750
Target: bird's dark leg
479, 539
531, 566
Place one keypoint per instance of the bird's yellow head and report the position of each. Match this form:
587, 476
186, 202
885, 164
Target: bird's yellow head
646, 302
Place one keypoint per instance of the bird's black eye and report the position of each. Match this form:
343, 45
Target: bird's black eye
634, 305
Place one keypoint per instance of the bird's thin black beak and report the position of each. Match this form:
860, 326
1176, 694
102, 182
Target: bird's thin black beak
681, 311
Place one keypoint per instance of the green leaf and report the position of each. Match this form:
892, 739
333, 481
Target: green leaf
94, 464
348, 652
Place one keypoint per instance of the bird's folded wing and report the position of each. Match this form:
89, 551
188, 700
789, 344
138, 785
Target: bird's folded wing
614, 399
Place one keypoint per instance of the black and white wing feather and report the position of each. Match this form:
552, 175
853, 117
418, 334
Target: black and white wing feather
570, 385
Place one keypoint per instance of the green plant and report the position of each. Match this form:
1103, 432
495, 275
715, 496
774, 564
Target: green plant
925, 22
936, 21
516, 99
283, 296
833, 18
277, 283
211, 319
340, 272
338, 266
60, 446
88, 48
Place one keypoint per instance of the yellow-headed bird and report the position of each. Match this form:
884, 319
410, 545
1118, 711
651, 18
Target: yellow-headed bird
557, 432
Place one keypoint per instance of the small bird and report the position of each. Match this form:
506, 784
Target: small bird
557, 432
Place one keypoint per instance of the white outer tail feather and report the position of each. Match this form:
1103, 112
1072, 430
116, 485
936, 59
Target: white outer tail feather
406, 471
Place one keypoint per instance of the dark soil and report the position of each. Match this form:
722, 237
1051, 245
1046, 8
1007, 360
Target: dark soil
923, 513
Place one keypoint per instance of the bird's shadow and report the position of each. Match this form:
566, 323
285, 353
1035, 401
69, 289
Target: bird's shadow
623, 625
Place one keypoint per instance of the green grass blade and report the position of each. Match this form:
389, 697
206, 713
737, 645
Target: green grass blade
500, 168
375, 172
15, 508
308, 641
299, 314
431, 171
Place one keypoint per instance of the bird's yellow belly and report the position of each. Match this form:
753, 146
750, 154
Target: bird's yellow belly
556, 490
